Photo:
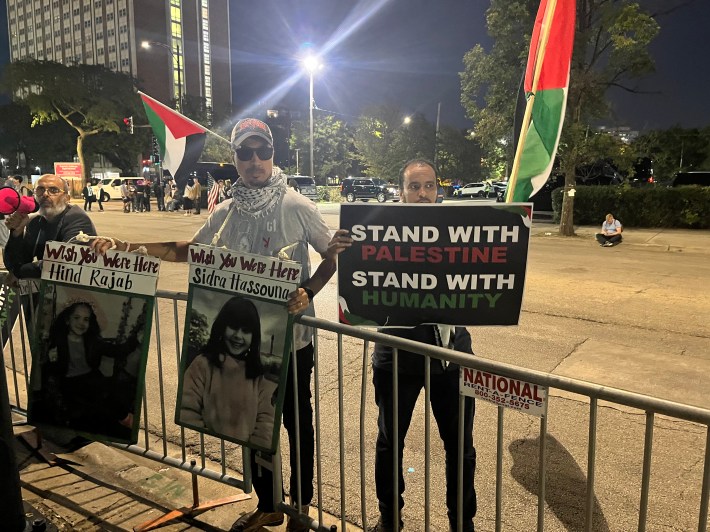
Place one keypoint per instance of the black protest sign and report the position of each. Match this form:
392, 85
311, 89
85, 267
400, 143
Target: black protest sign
421, 263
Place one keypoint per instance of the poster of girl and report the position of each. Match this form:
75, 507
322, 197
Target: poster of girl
231, 368
92, 350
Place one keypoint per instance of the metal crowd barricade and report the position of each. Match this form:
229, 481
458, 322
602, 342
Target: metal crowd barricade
335, 493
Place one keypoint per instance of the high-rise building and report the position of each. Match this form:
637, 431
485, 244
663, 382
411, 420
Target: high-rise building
174, 48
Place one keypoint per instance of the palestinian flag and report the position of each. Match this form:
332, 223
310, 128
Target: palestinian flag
181, 140
546, 83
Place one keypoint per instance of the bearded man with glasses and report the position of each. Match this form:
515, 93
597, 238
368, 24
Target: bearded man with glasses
266, 217
57, 220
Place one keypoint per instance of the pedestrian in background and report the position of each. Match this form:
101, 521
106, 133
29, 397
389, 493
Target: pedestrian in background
159, 192
197, 195
126, 196
147, 189
188, 196
100, 195
89, 197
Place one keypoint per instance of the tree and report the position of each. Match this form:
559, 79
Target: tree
36, 146
384, 142
90, 98
122, 150
459, 157
610, 52
675, 150
332, 146
490, 80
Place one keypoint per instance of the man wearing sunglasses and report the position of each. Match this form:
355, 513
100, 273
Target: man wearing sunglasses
266, 217
58, 220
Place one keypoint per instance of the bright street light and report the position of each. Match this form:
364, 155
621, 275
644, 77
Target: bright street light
176, 56
407, 120
312, 64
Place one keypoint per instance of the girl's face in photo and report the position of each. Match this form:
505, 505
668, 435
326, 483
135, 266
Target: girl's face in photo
79, 321
237, 341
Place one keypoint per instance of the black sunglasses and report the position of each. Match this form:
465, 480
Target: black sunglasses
245, 153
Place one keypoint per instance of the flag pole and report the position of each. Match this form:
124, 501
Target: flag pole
539, 59
185, 117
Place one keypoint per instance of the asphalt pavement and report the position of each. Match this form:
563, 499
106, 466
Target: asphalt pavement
95, 487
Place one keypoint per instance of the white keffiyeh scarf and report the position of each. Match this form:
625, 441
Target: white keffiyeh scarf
257, 202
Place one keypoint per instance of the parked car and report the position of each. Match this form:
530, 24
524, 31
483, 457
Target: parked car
691, 178
470, 190
304, 185
500, 187
366, 188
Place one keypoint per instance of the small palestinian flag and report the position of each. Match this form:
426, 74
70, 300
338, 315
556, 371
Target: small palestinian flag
181, 140
550, 56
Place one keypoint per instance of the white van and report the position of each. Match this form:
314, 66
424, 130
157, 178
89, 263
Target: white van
112, 186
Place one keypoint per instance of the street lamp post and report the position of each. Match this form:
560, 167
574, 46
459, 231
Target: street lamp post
312, 64
173, 56
297, 150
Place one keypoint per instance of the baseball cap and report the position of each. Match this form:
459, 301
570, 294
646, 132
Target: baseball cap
250, 127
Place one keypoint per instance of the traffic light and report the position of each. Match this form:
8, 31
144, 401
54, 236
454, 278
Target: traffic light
129, 124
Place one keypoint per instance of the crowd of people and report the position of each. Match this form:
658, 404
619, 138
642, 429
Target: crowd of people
136, 195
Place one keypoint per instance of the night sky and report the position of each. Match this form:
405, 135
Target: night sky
409, 53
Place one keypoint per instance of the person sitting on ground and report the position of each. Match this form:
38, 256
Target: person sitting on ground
611, 232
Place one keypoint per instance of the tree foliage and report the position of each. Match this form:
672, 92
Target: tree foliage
384, 141
675, 150
459, 157
332, 147
610, 52
40, 145
491, 79
90, 98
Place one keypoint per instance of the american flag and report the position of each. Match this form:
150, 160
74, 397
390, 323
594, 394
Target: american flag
212, 193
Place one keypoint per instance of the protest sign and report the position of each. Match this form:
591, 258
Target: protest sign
236, 346
412, 264
504, 391
90, 341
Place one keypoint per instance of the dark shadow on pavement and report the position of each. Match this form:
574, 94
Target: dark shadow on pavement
566, 483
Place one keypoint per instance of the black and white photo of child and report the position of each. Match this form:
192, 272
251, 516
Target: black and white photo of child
232, 363
92, 352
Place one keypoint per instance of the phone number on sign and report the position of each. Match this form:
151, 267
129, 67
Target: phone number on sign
512, 401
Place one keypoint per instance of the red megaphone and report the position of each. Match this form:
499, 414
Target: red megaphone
28, 204
11, 201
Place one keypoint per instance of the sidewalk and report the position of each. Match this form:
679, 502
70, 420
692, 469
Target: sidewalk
96, 487
649, 239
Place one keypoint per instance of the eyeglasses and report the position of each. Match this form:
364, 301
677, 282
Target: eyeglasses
52, 191
415, 187
245, 153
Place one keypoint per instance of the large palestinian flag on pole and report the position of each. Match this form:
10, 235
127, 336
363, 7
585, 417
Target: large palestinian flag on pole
181, 140
546, 84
